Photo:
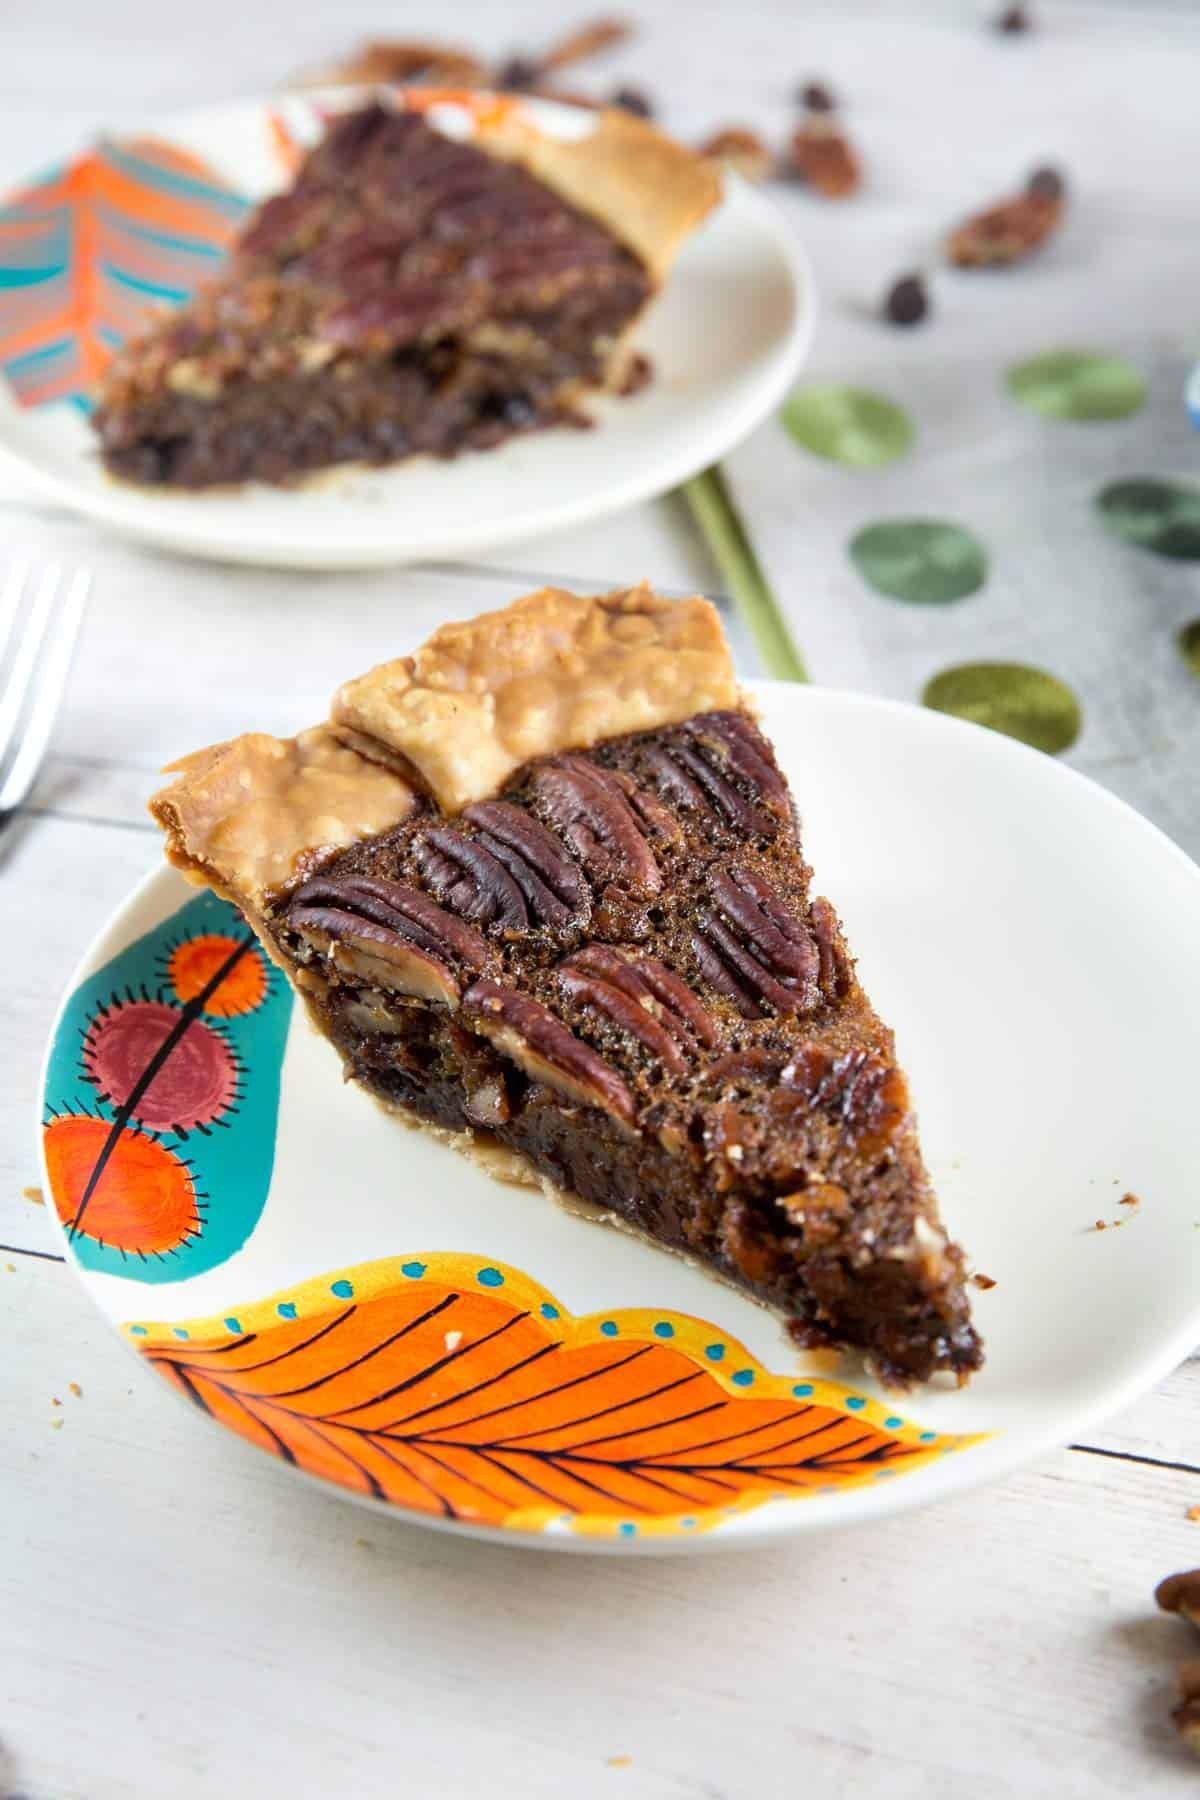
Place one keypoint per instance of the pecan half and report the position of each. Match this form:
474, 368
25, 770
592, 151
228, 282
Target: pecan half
551, 883
644, 998
735, 743
755, 950
591, 811
528, 1032
468, 879
390, 932
823, 157
685, 778
1011, 230
835, 965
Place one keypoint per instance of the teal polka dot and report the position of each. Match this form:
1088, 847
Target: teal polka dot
609, 1328
489, 1278
855, 1402
884, 1474
802, 1389
343, 1289
137, 1331
894, 1423
664, 1329
687, 1524
232, 1325
548, 1311
180, 1332
927, 1437
414, 1270
714, 1352
286, 1309
742, 1377
627, 1528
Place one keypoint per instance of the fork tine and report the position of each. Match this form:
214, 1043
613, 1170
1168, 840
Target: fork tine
10, 601
17, 688
51, 681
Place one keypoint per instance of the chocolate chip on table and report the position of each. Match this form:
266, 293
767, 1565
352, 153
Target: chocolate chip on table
1013, 18
631, 100
1047, 184
817, 97
907, 301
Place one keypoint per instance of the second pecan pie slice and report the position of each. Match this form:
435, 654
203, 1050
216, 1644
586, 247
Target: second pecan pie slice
542, 885
409, 293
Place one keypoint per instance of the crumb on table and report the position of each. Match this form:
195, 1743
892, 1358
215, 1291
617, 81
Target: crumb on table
34, 1195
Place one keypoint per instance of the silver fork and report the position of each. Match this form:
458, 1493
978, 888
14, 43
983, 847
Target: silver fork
41, 610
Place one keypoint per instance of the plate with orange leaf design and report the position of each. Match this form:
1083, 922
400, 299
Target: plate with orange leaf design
138, 221
354, 1298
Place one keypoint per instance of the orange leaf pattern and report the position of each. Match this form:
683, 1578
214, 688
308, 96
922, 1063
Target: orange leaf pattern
446, 1385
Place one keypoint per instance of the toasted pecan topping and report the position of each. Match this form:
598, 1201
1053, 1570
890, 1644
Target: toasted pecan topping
643, 997
369, 922
590, 809
528, 1033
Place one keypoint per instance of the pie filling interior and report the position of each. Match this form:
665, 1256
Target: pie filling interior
616, 968
409, 293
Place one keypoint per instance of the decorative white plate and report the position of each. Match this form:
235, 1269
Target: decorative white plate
360, 1300
86, 246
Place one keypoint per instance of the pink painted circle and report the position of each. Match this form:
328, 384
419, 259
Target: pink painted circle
196, 1083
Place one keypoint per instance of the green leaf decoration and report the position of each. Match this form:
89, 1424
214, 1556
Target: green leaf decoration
1189, 646
849, 425
1024, 703
1078, 384
927, 562
1156, 515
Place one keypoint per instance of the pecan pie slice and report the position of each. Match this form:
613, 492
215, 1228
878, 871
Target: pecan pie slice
410, 292
542, 885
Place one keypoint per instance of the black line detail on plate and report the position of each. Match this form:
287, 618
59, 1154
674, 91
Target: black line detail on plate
192, 1010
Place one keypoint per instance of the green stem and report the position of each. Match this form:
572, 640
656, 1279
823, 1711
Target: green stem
715, 513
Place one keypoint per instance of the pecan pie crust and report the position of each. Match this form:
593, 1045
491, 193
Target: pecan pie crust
557, 898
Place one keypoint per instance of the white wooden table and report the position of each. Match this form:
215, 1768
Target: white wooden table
179, 1617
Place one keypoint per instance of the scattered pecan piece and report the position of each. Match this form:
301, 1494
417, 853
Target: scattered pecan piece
591, 810
586, 40
1181, 1594
528, 1032
823, 157
387, 930
551, 883
1187, 1713
643, 997
403, 62
861, 1093
737, 147
1013, 229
